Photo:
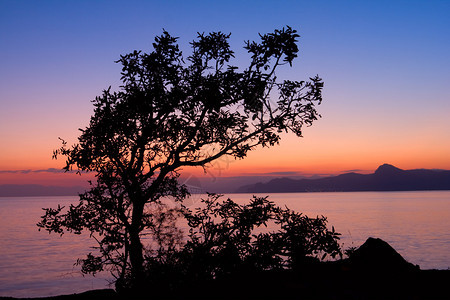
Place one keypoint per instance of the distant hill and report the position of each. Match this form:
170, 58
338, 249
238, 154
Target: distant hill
25, 190
385, 178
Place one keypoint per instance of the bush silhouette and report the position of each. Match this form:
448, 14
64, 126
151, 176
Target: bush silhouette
227, 239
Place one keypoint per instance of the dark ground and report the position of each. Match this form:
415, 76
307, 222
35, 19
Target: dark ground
425, 284
374, 271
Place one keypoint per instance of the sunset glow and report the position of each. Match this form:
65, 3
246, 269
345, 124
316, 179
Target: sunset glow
385, 66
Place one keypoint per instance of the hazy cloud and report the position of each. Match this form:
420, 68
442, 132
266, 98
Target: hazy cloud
281, 173
352, 171
50, 170
28, 171
15, 171
284, 173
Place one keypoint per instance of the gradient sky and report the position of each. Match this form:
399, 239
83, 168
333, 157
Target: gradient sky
385, 65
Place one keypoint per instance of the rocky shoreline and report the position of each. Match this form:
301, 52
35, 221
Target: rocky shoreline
372, 271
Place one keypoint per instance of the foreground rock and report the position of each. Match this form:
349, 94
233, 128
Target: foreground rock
373, 271
378, 256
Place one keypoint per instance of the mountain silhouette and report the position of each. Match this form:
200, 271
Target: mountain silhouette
385, 178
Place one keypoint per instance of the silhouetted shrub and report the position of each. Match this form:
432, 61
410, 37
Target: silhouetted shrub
226, 238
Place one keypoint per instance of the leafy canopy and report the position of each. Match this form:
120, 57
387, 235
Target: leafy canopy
173, 112
170, 114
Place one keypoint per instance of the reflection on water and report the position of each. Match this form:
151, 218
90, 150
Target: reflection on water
34, 263
416, 224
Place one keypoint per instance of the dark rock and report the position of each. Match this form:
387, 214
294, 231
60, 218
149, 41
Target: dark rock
377, 255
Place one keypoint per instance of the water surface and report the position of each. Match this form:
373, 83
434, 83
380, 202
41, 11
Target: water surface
35, 264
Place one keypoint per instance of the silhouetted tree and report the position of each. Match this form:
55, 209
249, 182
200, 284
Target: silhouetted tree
169, 114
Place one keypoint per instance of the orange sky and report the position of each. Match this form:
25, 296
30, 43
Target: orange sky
386, 74
328, 147
407, 138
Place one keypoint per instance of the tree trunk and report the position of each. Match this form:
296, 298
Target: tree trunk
136, 250
136, 258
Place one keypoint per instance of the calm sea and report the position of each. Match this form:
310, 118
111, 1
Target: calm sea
35, 264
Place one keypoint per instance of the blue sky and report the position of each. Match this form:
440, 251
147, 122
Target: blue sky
385, 65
